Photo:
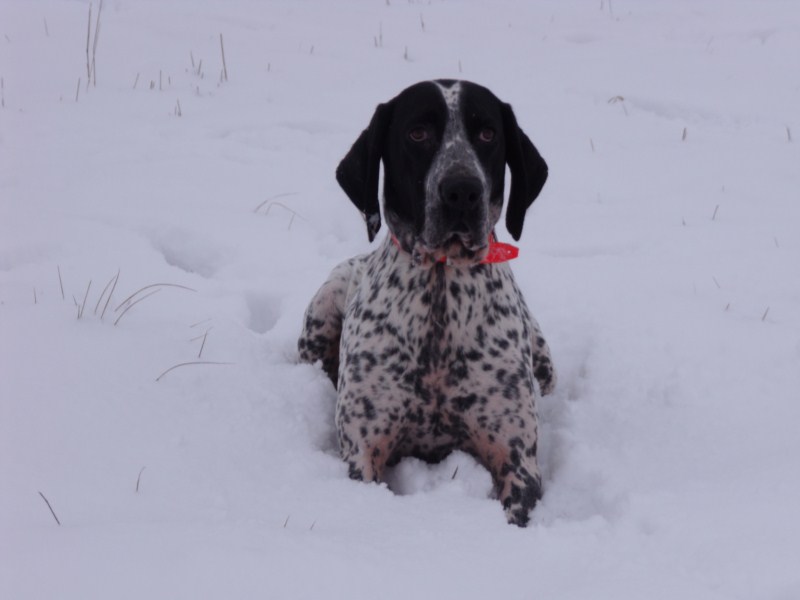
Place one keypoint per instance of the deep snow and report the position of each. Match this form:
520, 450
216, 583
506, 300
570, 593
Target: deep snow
661, 261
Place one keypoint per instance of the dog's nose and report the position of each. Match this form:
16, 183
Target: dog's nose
461, 193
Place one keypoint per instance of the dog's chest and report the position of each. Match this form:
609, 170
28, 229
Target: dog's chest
438, 331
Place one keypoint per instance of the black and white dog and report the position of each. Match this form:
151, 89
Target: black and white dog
428, 338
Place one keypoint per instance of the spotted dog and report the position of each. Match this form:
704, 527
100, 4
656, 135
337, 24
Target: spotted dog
428, 339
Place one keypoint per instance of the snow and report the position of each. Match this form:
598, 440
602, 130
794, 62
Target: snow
661, 261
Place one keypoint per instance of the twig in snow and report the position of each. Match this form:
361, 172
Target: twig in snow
286, 522
52, 512
788, 134
135, 81
714, 216
35, 299
46, 31
199, 323
591, 143
312, 525
455, 473
683, 136
224, 66
134, 303
719, 287
195, 362
139, 478
405, 53
764, 316
78, 90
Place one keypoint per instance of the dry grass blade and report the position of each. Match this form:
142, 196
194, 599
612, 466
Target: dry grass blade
187, 364
224, 66
52, 512
134, 303
85, 297
110, 295
94, 44
203, 344
621, 101
105, 289
271, 200
139, 479
88, 40
294, 213
147, 287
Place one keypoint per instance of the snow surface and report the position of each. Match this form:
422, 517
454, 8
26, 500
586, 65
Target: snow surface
661, 261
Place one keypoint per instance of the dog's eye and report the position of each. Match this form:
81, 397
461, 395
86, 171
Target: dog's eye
418, 134
486, 134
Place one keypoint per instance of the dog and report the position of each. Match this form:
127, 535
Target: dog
428, 338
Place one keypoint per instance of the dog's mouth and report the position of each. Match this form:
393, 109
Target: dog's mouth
457, 249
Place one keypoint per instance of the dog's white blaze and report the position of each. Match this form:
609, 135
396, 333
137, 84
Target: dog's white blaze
455, 153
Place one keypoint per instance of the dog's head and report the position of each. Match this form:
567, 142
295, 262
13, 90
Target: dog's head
444, 146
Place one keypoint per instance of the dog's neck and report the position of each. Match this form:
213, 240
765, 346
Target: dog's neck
498, 252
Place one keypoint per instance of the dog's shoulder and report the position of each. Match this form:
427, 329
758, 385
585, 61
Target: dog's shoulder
322, 323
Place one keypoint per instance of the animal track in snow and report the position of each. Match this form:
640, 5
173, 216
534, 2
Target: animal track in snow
264, 311
190, 251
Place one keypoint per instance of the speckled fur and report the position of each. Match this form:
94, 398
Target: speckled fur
431, 357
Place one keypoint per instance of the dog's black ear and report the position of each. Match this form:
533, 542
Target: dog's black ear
359, 169
528, 172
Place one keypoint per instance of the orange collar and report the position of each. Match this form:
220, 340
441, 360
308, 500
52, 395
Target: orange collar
499, 252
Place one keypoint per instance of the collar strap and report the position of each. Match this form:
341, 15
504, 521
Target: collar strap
499, 252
